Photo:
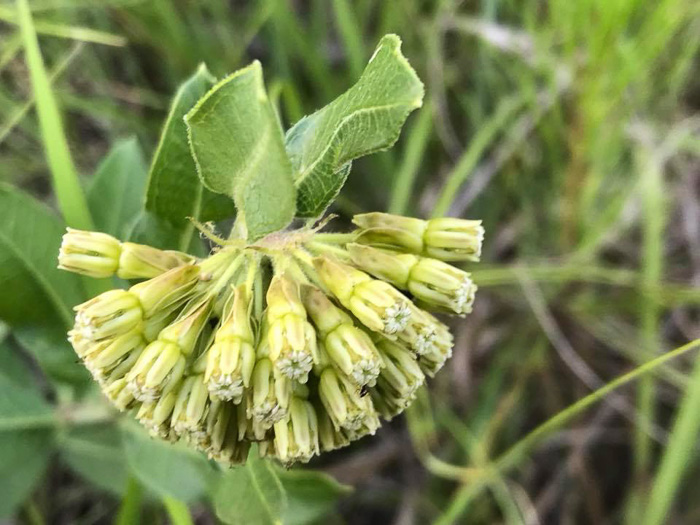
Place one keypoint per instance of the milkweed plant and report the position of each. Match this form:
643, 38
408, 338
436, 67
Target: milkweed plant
286, 335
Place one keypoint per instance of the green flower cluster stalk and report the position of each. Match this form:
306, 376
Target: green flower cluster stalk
299, 342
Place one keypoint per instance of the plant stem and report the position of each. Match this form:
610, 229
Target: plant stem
335, 238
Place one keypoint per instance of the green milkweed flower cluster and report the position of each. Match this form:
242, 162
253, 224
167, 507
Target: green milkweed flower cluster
300, 342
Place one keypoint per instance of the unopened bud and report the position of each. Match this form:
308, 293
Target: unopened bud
296, 438
225, 446
391, 231
378, 305
89, 253
390, 266
447, 239
185, 331
167, 290
268, 401
421, 332
349, 347
157, 371
155, 415
439, 284
119, 393
292, 340
439, 351
114, 357
450, 239
399, 380
345, 403
139, 261
192, 410
108, 315
329, 437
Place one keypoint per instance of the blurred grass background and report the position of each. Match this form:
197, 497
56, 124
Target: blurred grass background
570, 127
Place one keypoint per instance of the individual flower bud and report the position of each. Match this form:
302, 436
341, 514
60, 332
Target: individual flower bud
185, 331
139, 261
217, 426
81, 344
192, 410
341, 279
439, 284
224, 444
154, 325
231, 358
108, 355
347, 405
421, 331
349, 347
167, 290
450, 239
434, 282
89, 253
329, 437
292, 340
296, 437
399, 380
268, 400
438, 353
119, 393
266, 448
377, 305
108, 315
155, 416
157, 371
353, 352
386, 265
391, 231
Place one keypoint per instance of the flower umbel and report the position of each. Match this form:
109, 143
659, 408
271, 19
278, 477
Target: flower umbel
299, 342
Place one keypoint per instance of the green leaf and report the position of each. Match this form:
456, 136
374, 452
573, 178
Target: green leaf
56, 357
174, 189
173, 470
365, 119
97, 454
26, 442
37, 297
251, 493
115, 195
311, 495
238, 147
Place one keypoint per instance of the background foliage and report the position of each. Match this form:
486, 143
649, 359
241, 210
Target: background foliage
571, 128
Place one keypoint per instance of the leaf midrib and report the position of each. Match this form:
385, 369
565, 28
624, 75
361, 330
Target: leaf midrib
384, 107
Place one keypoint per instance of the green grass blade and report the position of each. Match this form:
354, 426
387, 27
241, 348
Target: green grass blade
19, 114
351, 35
520, 450
469, 159
413, 156
177, 511
678, 455
130, 509
82, 34
652, 188
69, 193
